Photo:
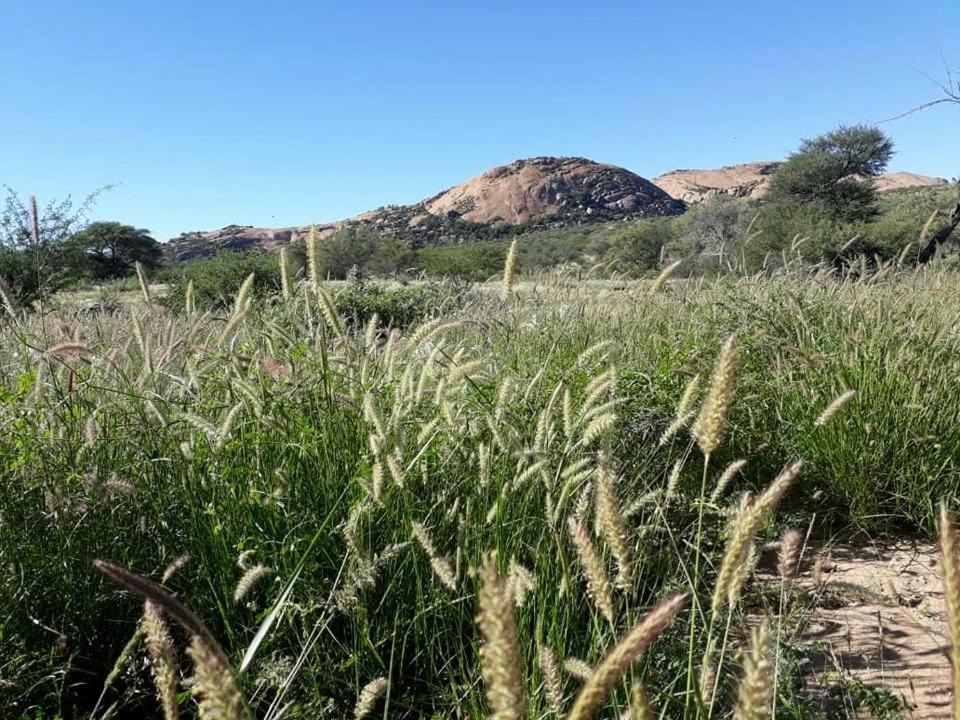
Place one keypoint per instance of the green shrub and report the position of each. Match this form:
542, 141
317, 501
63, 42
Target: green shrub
396, 307
216, 279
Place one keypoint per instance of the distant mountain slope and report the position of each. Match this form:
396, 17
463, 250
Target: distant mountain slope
548, 191
750, 180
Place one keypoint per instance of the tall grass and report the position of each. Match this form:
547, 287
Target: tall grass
501, 458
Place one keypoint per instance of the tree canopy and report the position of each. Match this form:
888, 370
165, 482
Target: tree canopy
835, 171
109, 249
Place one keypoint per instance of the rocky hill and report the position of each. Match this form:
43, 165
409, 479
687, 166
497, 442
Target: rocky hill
524, 195
750, 181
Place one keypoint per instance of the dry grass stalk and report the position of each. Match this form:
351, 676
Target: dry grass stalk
368, 697
552, 685
163, 658
500, 656
664, 276
598, 587
755, 692
616, 662
214, 683
711, 423
613, 525
791, 543
509, 271
950, 562
834, 407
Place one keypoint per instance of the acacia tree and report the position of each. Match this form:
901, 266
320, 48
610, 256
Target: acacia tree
110, 249
835, 171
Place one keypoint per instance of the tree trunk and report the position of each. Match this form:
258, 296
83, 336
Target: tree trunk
945, 231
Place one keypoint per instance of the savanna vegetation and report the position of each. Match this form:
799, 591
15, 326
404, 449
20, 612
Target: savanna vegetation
304, 485
523, 499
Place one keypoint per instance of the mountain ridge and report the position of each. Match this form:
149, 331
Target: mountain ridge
751, 181
525, 195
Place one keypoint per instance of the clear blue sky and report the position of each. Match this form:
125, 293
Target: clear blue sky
279, 113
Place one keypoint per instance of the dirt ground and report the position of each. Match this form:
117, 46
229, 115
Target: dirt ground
881, 619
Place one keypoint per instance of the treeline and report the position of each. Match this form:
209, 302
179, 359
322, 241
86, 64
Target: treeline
50, 248
822, 206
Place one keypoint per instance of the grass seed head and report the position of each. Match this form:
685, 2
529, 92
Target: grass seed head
598, 587
163, 658
368, 697
616, 662
500, 656
711, 423
755, 692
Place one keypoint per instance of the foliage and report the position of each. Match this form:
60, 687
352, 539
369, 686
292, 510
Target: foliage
218, 435
638, 247
834, 171
396, 307
713, 234
217, 279
35, 262
109, 250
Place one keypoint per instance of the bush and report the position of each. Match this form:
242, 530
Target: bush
396, 307
216, 280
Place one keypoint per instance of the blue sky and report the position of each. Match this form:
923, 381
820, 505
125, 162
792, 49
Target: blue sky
280, 113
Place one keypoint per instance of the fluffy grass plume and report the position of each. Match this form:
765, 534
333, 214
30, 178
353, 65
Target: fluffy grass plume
285, 282
726, 477
616, 662
613, 525
163, 658
711, 423
313, 261
791, 544
640, 707
520, 582
684, 412
142, 281
552, 684
950, 563
189, 303
578, 668
664, 276
747, 521
755, 692
440, 565
368, 697
251, 577
501, 661
834, 407
329, 311
219, 697
509, 271
598, 587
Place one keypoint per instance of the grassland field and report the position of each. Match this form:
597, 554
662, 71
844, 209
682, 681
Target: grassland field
459, 517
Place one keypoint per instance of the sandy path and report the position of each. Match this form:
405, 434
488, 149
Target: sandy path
882, 620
